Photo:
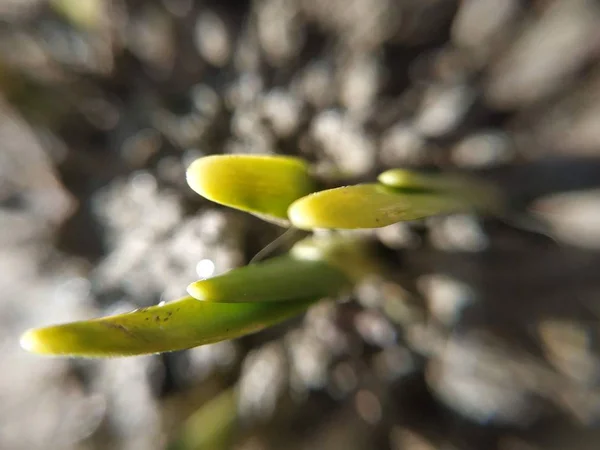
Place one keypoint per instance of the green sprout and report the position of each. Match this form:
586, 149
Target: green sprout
176, 325
245, 300
276, 280
232, 305
261, 185
368, 206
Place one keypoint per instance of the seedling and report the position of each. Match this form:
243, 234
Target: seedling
245, 300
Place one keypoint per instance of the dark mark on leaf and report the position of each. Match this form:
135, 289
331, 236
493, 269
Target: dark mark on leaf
118, 326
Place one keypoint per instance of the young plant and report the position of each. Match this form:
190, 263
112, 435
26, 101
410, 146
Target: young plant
228, 306
245, 300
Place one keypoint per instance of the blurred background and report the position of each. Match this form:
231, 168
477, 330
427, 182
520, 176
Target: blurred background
485, 336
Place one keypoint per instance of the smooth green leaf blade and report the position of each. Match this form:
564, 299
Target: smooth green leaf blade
176, 325
481, 195
367, 206
258, 184
278, 279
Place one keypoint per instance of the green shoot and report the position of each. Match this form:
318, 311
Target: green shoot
176, 325
261, 185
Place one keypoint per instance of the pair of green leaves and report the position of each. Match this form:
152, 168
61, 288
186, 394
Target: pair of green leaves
245, 300
239, 302
282, 190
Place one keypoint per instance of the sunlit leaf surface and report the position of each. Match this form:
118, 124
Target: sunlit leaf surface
368, 206
176, 325
261, 185
279, 279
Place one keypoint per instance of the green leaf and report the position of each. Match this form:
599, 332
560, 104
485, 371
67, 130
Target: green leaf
475, 192
278, 279
258, 184
176, 325
368, 206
